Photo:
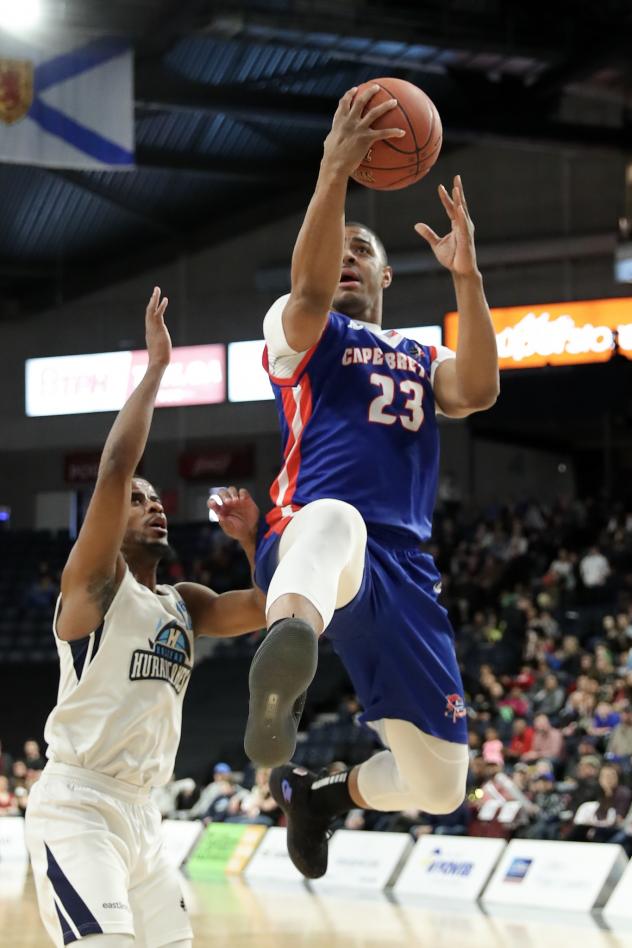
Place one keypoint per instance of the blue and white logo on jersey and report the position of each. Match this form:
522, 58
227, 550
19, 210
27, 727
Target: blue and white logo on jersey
169, 659
172, 643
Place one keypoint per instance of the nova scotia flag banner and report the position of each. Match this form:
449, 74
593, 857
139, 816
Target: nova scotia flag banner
67, 107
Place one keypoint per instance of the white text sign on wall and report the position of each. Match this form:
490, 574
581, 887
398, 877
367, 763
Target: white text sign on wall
569, 876
453, 867
362, 860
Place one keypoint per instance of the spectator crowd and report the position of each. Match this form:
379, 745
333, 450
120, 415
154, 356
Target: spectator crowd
17, 776
541, 601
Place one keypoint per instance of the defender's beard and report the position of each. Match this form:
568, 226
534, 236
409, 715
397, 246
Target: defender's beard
136, 545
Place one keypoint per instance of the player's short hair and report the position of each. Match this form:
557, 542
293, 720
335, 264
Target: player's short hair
379, 244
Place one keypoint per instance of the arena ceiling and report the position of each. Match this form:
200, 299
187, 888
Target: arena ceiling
232, 101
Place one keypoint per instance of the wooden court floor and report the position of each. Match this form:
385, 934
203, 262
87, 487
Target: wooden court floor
234, 914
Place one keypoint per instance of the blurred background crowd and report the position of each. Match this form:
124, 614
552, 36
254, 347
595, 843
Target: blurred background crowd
541, 602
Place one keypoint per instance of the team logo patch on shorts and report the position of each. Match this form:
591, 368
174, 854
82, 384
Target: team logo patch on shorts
455, 708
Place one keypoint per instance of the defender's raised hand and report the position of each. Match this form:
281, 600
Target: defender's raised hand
237, 513
156, 333
456, 250
351, 134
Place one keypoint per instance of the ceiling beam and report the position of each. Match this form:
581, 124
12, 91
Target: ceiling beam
503, 110
228, 169
158, 90
223, 223
571, 48
587, 58
88, 184
420, 24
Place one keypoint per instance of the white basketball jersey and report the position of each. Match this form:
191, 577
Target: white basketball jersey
119, 705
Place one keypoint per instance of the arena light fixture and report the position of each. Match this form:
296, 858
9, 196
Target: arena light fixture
20, 15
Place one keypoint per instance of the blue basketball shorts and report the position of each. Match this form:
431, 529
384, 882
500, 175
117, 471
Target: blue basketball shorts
395, 640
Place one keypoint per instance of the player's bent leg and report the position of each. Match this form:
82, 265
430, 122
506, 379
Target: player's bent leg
419, 771
307, 829
281, 670
321, 558
321, 563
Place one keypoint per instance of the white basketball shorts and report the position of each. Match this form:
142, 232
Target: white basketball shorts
96, 852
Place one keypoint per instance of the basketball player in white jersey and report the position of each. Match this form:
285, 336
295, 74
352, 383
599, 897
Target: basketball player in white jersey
126, 653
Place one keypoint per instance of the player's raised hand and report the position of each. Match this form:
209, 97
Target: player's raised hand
351, 134
456, 249
156, 333
236, 511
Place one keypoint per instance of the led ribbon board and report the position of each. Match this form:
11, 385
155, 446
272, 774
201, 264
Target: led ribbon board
556, 333
102, 381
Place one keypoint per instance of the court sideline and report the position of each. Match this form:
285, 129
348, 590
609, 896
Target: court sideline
232, 913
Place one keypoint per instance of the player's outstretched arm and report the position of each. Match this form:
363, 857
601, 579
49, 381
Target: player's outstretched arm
241, 611
317, 257
224, 615
470, 382
95, 565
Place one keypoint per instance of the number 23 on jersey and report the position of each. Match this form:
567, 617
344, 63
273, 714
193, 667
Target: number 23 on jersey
411, 417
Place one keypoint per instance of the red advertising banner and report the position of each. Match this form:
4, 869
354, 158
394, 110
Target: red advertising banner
82, 467
217, 463
196, 375
102, 381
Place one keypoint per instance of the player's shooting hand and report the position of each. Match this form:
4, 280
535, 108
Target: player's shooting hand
156, 333
456, 250
237, 513
351, 134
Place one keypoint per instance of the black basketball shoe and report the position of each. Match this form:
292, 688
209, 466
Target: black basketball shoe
282, 669
307, 831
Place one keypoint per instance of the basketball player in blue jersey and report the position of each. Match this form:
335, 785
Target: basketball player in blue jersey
126, 653
353, 504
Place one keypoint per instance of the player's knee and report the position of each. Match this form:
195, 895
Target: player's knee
337, 519
443, 799
438, 792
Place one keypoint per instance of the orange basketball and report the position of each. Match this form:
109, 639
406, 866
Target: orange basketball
398, 162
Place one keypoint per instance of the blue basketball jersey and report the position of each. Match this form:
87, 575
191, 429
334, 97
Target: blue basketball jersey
358, 424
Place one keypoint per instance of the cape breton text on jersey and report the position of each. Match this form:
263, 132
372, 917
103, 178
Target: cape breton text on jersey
375, 356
